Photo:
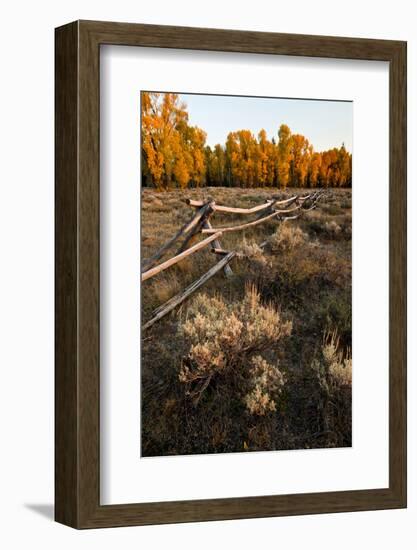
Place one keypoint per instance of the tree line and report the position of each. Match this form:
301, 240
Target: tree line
175, 154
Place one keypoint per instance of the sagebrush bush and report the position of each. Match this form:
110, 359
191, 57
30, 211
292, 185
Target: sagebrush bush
332, 209
253, 260
252, 251
287, 237
267, 381
224, 338
332, 228
330, 388
339, 364
336, 230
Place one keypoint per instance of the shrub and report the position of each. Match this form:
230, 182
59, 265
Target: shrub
255, 258
252, 251
225, 342
332, 209
332, 228
334, 308
339, 365
287, 237
267, 381
331, 391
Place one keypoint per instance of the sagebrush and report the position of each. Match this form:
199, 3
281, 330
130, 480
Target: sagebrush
226, 340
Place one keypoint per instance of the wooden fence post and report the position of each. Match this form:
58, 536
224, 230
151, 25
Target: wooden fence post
216, 244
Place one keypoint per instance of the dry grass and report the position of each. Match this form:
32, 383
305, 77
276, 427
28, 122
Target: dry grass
287, 237
201, 392
167, 286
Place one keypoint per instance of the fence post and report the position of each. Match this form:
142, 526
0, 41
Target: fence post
216, 244
206, 210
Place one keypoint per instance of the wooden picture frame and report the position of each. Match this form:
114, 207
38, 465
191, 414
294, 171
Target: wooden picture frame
77, 382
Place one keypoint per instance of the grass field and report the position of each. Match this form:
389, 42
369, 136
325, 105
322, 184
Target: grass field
260, 360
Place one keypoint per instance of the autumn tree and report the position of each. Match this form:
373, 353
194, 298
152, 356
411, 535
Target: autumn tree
233, 160
299, 159
215, 165
314, 170
266, 161
284, 155
174, 153
192, 142
345, 167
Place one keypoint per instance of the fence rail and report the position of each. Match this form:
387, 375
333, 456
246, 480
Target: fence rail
200, 224
151, 272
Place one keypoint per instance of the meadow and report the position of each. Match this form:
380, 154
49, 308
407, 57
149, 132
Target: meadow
260, 360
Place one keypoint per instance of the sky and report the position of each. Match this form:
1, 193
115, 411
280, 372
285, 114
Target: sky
326, 124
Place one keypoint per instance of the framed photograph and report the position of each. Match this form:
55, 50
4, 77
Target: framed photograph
230, 274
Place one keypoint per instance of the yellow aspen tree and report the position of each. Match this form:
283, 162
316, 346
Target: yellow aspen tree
314, 169
284, 155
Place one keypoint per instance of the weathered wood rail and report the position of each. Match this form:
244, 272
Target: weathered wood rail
151, 272
182, 296
273, 208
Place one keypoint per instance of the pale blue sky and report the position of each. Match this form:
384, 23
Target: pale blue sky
325, 124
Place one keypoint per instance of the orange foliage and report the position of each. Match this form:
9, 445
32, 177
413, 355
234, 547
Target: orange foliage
174, 154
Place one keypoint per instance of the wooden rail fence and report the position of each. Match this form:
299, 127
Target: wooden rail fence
296, 206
